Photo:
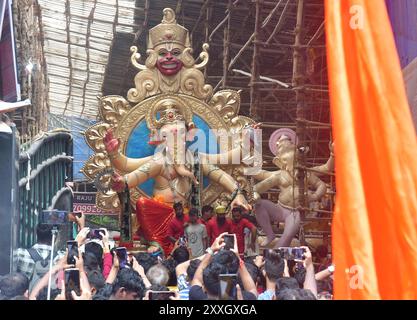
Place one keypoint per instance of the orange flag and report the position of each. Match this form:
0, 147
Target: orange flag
375, 219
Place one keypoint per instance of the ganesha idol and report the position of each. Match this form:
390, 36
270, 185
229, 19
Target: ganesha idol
143, 144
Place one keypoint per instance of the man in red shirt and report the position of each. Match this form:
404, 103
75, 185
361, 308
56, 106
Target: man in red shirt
176, 226
206, 214
219, 224
238, 227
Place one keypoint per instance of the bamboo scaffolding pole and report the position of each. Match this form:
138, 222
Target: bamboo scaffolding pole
67, 18
298, 80
219, 26
262, 77
254, 94
226, 49
268, 18
280, 22
87, 49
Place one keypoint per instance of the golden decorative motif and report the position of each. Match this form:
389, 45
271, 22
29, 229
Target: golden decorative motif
94, 164
107, 201
113, 108
227, 103
94, 136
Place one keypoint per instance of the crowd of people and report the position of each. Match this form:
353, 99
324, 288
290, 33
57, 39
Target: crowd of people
208, 262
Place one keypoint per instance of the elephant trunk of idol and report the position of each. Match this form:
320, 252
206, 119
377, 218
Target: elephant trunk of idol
177, 157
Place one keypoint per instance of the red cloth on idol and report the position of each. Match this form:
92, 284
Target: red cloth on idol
154, 217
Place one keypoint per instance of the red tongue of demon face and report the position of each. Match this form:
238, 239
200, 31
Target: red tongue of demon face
168, 63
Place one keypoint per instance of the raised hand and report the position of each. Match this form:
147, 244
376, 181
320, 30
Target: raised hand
110, 142
241, 201
118, 183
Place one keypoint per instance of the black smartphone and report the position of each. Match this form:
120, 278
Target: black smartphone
266, 253
228, 286
72, 251
161, 295
95, 234
72, 282
229, 240
289, 253
122, 255
53, 217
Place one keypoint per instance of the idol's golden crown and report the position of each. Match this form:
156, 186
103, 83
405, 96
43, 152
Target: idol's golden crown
168, 32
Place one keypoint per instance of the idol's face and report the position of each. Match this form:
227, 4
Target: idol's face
169, 60
174, 136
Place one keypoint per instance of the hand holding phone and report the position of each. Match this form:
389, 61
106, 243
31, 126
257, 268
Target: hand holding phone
229, 240
72, 282
228, 286
72, 215
121, 253
95, 234
72, 247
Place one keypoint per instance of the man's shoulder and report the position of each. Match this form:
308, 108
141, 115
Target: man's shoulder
245, 222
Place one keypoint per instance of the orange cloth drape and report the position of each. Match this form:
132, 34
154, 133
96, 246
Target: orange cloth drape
375, 219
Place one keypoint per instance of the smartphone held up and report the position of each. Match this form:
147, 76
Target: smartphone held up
72, 282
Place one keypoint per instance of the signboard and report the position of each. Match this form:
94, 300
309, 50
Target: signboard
86, 203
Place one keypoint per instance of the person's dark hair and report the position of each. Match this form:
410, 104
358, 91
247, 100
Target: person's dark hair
238, 209
97, 250
131, 281
300, 275
44, 233
287, 283
306, 294
325, 285
177, 205
13, 285
43, 294
206, 208
96, 279
274, 266
295, 294
211, 277
181, 254
193, 212
192, 268
90, 262
98, 296
289, 294
146, 260
157, 287
228, 259
106, 291
171, 264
